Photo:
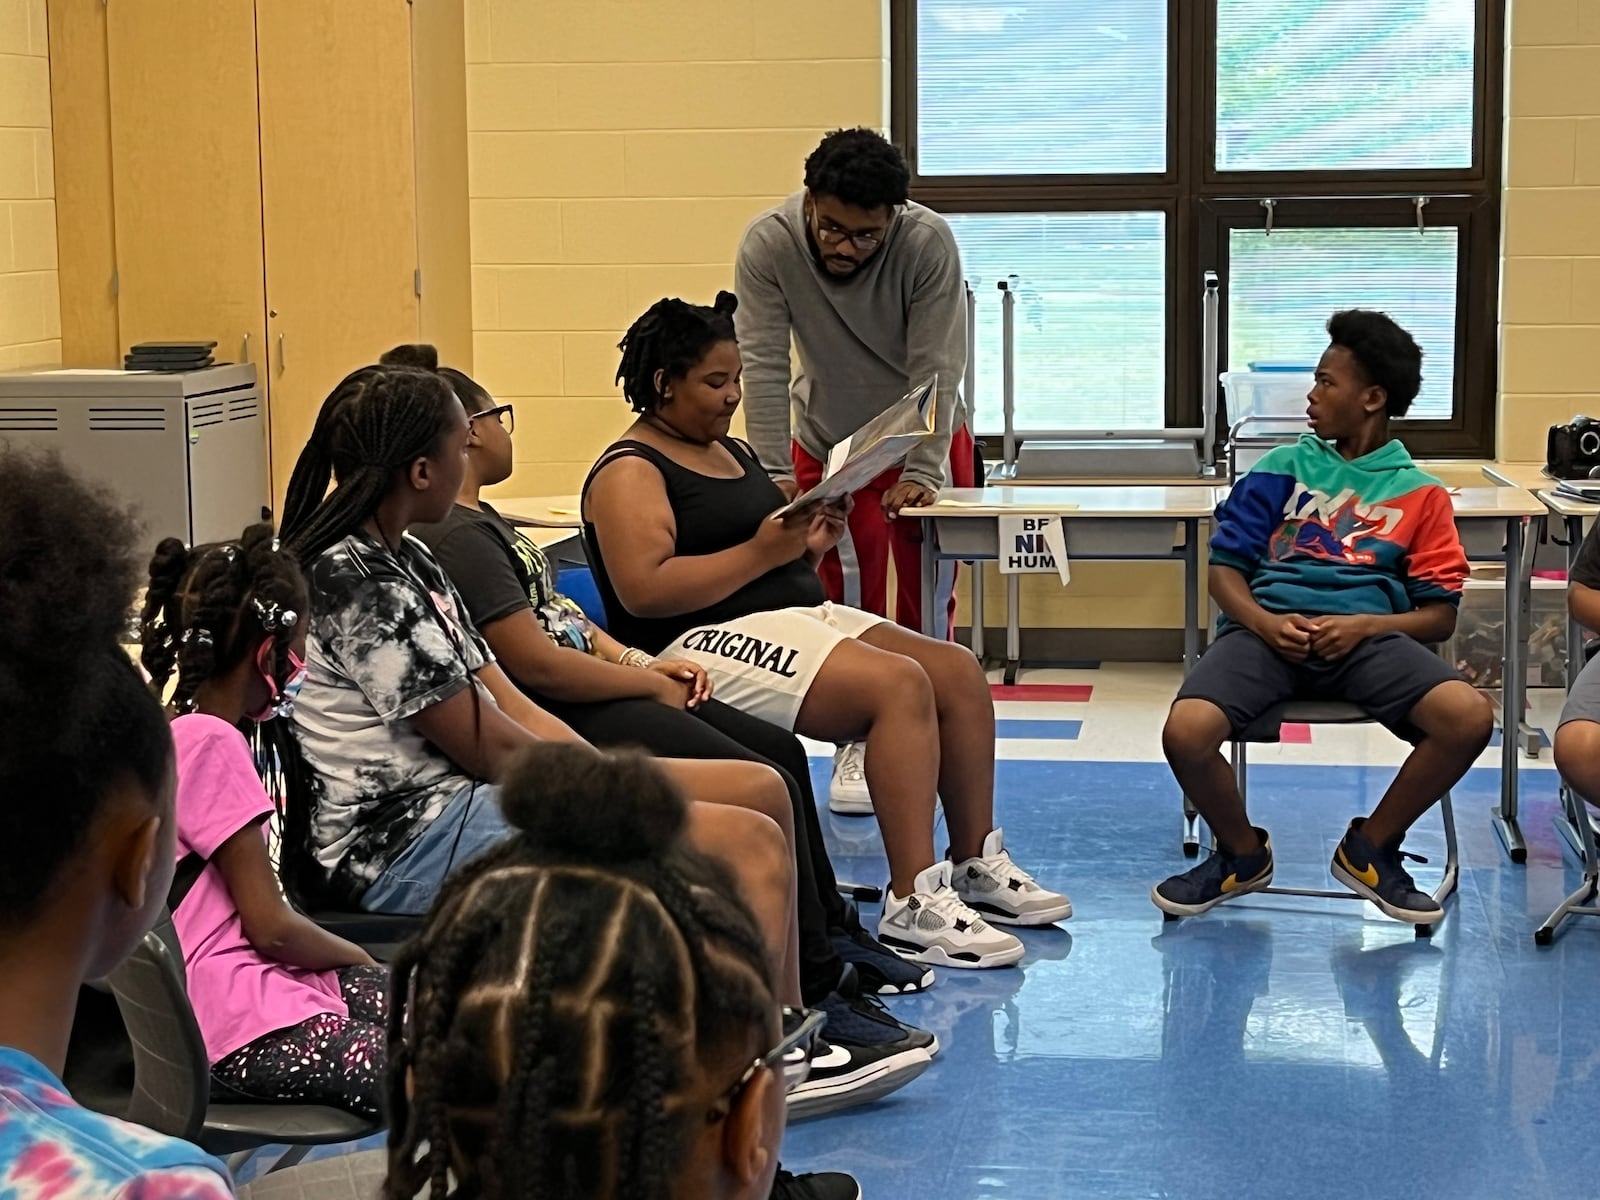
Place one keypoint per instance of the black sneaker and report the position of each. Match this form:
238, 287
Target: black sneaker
858, 1019
1378, 874
845, 1076
880, 968
822, 1185
1221, 876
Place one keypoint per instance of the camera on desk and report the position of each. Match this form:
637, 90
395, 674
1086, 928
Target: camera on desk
1573, 450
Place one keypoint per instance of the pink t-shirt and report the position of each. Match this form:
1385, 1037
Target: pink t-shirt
237, 994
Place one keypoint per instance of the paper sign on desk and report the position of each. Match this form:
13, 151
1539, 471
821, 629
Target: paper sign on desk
1034, 546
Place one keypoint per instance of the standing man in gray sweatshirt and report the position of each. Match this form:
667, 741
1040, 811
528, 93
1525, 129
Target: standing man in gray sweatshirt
868, 287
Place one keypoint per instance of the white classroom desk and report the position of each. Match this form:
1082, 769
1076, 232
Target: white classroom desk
1120, 481
1528, 476
1490, 521
552, 512
1137, 523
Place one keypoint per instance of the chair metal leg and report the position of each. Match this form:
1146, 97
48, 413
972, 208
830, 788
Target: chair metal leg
864, 892
1573, 811
1577, 904
291, 1157
1452, 861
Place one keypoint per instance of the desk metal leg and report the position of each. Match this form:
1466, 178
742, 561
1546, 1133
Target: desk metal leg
1191, 653
1573, 809
1512, 698
1527, 735
1191, 593
1574, 531
930, 572
1013, 627
975, 576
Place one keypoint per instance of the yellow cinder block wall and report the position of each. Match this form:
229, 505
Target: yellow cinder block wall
1550, 288
616, 150
30, 302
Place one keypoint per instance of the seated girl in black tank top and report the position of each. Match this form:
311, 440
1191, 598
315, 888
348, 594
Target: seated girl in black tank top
712, 513
690, 560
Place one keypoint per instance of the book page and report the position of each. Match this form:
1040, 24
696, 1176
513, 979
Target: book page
879, 445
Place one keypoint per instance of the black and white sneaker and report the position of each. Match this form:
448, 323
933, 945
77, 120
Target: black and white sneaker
858, 1018
934, 925
846, 1076
820, 1185
880, 968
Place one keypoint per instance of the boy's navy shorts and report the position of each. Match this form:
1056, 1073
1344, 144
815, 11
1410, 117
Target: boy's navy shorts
1386, 675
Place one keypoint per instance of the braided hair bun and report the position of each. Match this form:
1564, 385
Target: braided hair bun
606, 809
670, 337
419, 355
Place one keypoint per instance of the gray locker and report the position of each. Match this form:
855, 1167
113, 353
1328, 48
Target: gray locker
189, 449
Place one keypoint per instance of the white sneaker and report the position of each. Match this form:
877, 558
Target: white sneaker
848, 794
996, 887
932, 925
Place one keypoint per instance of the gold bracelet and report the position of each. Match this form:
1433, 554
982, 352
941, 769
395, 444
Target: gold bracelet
634, 657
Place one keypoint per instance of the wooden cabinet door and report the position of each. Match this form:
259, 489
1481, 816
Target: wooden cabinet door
339, 189
186, 174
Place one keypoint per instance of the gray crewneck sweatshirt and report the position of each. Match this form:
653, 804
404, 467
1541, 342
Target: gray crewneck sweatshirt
862, 342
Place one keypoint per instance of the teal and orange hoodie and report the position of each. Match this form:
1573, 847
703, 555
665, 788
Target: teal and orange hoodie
1320, 536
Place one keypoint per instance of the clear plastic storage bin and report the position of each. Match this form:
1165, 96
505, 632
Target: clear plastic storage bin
1266, 393
1481, 631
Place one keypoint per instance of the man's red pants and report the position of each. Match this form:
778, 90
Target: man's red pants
856, 572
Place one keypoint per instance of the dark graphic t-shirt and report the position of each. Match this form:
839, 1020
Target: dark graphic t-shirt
389, 638
499, 572
1586, 569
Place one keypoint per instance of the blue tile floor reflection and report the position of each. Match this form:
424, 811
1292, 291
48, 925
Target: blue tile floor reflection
1278, 1047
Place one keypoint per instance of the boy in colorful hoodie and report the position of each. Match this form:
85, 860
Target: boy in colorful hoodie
1333, 561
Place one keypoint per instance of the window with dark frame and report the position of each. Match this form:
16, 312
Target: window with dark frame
1316, 154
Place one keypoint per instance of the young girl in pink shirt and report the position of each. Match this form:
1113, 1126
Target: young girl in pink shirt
288, 1011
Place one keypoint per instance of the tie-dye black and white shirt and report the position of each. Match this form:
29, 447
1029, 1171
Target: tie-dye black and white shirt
389, 637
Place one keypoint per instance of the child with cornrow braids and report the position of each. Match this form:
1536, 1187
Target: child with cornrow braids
589, 1011
288, 1011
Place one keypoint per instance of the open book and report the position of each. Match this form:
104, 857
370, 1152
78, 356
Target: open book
878, 446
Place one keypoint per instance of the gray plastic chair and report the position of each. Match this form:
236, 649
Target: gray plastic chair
339, 1177
379, 934
1317, 712
172, 1089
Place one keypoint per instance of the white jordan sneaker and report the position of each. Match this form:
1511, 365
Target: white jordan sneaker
932, 925
847, 794
995, 887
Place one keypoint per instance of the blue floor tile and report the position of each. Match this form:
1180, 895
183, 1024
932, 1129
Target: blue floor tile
1275, 1048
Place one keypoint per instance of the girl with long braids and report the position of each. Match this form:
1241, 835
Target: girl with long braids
691, 560
86, 833
405, 720
614, 697
288, 1011
589, 1011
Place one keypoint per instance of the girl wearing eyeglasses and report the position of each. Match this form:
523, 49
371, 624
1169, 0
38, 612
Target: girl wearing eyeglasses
288, 1011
